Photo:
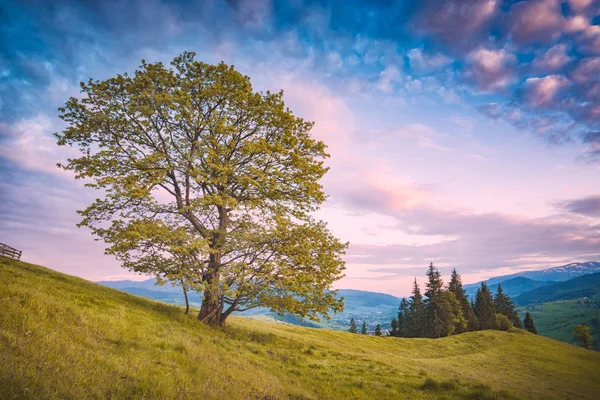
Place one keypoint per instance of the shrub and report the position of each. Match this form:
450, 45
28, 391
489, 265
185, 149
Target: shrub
502, 322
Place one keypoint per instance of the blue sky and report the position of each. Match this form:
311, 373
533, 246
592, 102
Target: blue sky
461, 132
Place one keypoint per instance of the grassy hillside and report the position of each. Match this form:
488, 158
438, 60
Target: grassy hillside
63, 337
557, 319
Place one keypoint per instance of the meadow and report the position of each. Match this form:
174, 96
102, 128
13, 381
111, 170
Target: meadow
62, 337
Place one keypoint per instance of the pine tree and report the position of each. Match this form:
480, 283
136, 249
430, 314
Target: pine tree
528, 323
484, 308
455, 286
353, 327
403, 312
364, 328
416, 313
504, 305
394, 331
378, 330
435, 312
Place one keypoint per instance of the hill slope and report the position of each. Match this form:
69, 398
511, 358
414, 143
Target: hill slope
64, 337
584, 286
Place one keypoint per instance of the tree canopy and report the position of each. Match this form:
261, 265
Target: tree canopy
205, 181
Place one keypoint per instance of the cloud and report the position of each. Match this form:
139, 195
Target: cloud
425, 63
541, 21
544, 91
30, 144
553, 59
589, 206
490, 69
458, 23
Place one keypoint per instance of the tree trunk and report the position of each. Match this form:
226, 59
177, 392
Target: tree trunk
211, 308
187, 304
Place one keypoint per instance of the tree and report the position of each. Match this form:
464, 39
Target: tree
528, 324
484, 308
415, 318
504, 305
394, 331
442, 310
194, 165
455, 286
502, 322
403, 313
378, 330
353, 327
364, 328
582, 333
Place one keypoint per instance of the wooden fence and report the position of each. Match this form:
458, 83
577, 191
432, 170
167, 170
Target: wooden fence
10, 252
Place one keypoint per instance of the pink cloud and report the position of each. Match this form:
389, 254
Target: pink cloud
458, 22
542, 21
490, 69
544, 91
31, 145
553, 59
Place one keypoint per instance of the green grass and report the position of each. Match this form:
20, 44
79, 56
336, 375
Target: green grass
65, 338
557, 319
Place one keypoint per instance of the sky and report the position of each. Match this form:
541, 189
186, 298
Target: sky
464, 133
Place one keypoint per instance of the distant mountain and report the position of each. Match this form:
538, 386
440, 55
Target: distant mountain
512, 287
360, 305
149, 284
540, 278
577, 288
555, 274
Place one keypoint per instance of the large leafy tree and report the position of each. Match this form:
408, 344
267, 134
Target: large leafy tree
194, 166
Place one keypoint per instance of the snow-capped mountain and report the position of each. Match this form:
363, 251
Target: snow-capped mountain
555, 274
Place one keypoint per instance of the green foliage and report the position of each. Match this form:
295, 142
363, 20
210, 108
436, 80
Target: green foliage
209, 182
353, 327
363, 330
443, 312
582, 333
455, 286
66, 338
378, 330
528, 324
394, 331
415, 317
484, 308
504, 305
404, 317
503, 323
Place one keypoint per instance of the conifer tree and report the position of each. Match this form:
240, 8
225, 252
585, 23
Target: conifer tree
364, 328
415, 317
353, 327
504, 305
394, 331
455, 286
403, 311
484, 308
528, 323
378, 330
435, 312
